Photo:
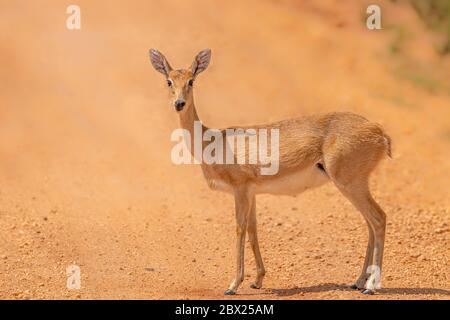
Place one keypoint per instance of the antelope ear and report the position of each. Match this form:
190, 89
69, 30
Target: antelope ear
201, 62
159, 62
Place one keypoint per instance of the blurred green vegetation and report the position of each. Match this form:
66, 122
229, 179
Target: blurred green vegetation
400, 36
436, 14
396, 100
424, 81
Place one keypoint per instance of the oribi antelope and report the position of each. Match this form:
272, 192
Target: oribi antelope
339, 147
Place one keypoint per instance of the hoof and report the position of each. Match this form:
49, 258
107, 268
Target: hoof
255, 286
368, 291
354, 287
229, 293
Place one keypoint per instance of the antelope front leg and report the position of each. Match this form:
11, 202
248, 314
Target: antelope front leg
243, 207
253, 237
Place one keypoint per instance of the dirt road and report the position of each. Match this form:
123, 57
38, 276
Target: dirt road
85, 170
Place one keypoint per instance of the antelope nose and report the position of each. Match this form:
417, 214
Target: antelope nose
179, 104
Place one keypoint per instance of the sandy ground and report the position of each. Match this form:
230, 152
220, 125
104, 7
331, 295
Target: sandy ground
85, 169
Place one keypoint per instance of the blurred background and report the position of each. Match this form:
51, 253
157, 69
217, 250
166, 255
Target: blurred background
85, 123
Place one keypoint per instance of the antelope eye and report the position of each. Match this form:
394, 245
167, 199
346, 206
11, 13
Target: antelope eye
169, 83
191, 83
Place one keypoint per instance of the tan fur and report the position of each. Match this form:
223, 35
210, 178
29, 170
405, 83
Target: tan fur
346, 145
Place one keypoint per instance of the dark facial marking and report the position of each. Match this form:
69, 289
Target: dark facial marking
320, 167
